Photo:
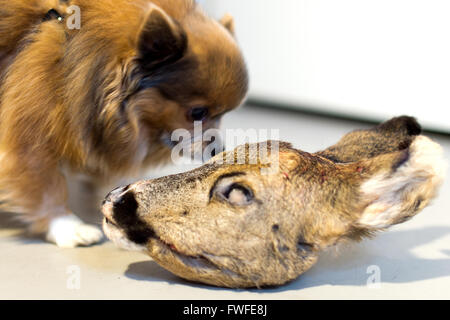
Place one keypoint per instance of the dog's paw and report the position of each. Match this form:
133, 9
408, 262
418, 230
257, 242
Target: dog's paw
70, 232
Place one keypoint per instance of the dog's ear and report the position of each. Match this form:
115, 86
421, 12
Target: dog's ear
228, 22
161, 40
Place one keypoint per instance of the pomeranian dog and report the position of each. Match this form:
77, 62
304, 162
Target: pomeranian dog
100, 100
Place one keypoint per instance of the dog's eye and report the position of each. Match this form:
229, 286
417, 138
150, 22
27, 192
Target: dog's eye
238, 195
198, 114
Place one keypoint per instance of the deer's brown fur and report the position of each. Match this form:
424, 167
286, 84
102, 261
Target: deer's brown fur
235, 225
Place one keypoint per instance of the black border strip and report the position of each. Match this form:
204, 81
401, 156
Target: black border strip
281, 309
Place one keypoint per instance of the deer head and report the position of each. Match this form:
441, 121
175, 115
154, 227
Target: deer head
237, 225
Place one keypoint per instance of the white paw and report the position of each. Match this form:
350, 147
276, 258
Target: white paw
70, 232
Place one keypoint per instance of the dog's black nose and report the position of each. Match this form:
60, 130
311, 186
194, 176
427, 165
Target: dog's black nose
217, 151
115, 194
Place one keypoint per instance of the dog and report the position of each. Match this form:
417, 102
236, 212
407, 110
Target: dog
100, 101
233, 224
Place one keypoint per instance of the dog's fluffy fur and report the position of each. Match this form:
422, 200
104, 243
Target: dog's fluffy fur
99, 100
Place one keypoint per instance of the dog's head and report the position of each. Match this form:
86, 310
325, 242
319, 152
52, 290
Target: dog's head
153, 67
192, 68
237, 224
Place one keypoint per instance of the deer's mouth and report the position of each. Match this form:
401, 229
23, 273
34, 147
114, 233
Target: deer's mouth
162, 249
156, 247
197, 268
118, 236
187, 265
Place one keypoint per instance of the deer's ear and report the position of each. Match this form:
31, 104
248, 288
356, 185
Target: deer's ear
390, 136
161, 40
228, 22
404, 184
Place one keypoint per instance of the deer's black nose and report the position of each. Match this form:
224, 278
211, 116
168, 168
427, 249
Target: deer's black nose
124, 206
122, 212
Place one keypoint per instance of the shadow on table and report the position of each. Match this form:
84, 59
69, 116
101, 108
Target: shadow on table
390, 252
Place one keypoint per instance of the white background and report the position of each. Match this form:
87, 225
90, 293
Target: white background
369, 59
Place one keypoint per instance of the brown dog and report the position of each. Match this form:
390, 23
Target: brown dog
102, 100
232, 224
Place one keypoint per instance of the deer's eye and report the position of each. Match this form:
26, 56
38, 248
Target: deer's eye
238, 195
